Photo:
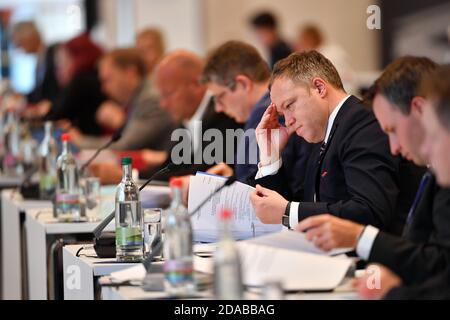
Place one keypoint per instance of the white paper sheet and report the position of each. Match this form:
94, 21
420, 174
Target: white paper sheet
245, 224
296, 241
294, 269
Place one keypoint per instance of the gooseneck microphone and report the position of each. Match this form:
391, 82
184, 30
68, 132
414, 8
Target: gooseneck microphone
157, 248
102, 225
116, 137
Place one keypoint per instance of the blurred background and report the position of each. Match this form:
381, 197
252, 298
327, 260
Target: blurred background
407, 27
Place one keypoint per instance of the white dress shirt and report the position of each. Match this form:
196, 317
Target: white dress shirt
194, 123
273, 168
365, 242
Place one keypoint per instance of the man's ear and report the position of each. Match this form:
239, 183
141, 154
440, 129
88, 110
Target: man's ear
243, 81
320, 86
417, 104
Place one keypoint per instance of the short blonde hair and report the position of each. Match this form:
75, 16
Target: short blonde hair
303, 67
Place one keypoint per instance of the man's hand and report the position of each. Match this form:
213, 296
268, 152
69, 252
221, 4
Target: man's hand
269, 205
38, 110
221, 169
329, 232
154, 158
110, 115
271, 136
109, 173
376, 282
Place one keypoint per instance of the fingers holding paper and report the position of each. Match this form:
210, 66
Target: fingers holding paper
268, 204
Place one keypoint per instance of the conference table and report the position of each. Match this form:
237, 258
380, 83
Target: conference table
29, 233
86, 277
13, 207
40, 256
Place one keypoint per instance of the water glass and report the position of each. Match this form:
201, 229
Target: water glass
92, 198
152, 230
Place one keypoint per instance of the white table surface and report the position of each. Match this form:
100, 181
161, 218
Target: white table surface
343, 292
79, 272
12, 205
39, 224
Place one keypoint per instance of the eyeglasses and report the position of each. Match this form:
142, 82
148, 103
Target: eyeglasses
218, 98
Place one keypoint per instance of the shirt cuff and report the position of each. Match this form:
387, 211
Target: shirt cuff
365, 242
268, 170
293, 214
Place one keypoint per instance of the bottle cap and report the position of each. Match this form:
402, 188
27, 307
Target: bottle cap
225, 214
65, 137
176, 182
126, 161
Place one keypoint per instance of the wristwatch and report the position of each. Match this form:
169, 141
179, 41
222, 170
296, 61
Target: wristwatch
285, 218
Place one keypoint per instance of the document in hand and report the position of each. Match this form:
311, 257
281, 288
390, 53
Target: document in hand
289, 258
245, 223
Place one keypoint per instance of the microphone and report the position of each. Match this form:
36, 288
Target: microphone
28, 189
102, 225
156, 250
116, 137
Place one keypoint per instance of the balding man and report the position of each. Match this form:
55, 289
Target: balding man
26, 37
177, 80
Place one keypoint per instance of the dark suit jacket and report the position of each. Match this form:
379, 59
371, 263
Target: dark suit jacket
79, 102
424, 249
46, 87
436, 288
358, 178
211, 120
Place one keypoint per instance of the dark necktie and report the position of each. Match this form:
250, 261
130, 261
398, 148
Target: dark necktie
423, 183
319, 165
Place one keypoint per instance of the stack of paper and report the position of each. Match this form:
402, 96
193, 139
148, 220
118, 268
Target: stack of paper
289, 258
245, 224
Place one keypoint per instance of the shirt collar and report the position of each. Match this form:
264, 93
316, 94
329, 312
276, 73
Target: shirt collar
333, 117
199, 113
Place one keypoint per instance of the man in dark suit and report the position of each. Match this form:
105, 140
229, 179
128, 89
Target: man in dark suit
434, 270
238, 77
26, 36
423, 249
351, 174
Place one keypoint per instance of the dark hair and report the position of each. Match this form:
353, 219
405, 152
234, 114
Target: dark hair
303, 67
436, 88
264, 20
231, 59
126, 58
400, 81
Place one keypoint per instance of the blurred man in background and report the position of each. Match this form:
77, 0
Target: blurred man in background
124, 79
311, 37
150, 43
177, 80
26, 36
265, 26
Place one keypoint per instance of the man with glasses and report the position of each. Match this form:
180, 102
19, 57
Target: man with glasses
238, 78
